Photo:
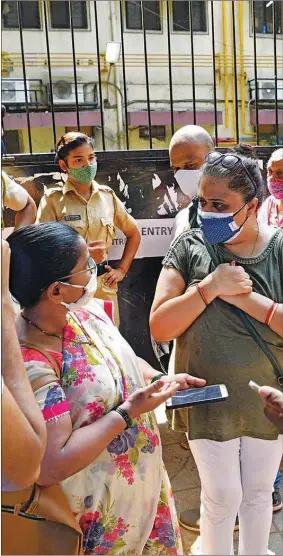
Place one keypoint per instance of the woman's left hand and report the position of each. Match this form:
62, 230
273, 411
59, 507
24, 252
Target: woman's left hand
113, 276
186, 381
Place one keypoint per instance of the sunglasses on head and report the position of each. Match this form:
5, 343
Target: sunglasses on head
229, 161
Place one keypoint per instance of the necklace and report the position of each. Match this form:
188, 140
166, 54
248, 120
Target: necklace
40, 329
50, 333
257, 234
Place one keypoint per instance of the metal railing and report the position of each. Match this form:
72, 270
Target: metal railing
227, 68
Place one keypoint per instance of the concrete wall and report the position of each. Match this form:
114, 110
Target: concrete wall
157, 50
43, 139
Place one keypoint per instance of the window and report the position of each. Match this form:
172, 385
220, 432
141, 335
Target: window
12, 141
181, 16
157, 132
60, 15
152, 20
29, 15
264, 17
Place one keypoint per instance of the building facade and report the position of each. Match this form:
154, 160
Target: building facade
164, 75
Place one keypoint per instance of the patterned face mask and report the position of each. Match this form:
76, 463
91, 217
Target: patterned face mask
275, 187
219, 228
85, 174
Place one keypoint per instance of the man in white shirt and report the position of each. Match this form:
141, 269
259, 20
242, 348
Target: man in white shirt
16, 198
187, 150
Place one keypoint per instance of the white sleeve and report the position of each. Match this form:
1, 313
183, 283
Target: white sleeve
181, 223
16, 196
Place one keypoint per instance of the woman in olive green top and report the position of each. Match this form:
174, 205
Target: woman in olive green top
236, 449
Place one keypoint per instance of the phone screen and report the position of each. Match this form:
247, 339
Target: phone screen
196, 396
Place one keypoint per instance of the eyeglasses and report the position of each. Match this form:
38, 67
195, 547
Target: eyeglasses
228, 161
91, 267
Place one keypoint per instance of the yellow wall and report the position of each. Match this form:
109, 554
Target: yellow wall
42, 139
137, 143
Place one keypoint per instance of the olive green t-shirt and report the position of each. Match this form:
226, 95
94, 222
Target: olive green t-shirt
217, 346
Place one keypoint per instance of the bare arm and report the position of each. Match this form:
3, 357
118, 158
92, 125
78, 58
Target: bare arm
15, 376
131, 247
127, 224
183, 379
173, 311
27, 215
70, 451
18, 199
257, 306
21, 416
22, 449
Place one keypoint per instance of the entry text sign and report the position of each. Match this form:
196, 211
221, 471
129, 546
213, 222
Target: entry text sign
156, 236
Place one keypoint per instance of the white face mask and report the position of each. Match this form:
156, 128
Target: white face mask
188, 181
89, 291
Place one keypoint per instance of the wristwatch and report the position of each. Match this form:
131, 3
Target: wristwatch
125, 416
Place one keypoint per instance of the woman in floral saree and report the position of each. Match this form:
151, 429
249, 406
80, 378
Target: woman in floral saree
103, 442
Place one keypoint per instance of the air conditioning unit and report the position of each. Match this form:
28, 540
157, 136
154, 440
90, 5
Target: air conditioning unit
13, 91
64, 92
266, 90
91, 94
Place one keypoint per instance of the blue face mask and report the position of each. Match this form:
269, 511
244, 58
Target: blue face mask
219, 227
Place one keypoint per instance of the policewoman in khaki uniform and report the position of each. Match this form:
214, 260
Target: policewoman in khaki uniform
93, 210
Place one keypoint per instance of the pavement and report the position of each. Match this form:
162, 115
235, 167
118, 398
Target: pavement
185, 483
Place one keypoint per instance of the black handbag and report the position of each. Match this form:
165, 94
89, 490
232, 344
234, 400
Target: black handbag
249, 326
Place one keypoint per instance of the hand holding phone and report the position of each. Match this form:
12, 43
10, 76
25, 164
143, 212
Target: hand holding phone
197, 396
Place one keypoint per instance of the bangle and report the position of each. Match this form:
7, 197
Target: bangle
156, 377
123, 270
201, 293
125, 416
270, 313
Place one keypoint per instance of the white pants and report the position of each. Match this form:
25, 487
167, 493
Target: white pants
236, 476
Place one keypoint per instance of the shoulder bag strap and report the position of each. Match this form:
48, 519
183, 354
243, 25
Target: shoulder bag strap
193, 213
249, 326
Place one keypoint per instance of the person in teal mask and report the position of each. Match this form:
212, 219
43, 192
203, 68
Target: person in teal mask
93, 210
232, 262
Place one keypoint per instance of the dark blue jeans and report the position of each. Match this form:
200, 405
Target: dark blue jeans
277, 480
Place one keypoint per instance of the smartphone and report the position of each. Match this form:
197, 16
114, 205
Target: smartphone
197, 396
254, 386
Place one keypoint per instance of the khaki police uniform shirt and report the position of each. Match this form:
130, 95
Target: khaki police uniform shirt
94, 219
